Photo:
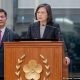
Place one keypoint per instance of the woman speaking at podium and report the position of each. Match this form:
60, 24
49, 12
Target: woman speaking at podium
44, 28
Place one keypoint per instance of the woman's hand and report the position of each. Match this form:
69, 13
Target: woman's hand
67, 60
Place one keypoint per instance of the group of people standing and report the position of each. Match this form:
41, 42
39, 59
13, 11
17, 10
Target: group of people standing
43, 28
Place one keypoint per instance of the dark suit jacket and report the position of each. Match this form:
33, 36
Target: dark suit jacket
8, 36
51, 32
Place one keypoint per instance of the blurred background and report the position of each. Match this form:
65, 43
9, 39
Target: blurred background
65, 12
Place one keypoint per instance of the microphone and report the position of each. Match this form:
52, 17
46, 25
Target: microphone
43, 25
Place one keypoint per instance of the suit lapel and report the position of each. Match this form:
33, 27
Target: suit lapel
37, 31
46, 32
5, 36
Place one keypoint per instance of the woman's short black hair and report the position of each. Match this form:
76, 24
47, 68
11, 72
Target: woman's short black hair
49, 12
2, 10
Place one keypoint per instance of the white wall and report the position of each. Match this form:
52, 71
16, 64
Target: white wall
0, 3
53, 3
62, 3
26, 3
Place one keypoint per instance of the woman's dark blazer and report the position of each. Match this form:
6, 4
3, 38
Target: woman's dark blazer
52, 32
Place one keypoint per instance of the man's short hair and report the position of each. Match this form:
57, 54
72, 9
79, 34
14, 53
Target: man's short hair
2, 10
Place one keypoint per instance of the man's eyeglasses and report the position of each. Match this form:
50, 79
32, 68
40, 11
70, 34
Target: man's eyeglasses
2, 17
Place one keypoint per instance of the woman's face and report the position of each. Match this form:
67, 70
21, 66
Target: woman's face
42, 15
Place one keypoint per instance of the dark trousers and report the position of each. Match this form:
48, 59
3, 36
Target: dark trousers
1, 65
1, 78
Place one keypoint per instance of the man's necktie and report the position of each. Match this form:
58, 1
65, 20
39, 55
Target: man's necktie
0, 37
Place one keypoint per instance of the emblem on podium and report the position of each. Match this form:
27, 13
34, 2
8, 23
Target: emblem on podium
32, 69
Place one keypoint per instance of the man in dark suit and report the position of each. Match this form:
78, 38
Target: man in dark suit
5, 36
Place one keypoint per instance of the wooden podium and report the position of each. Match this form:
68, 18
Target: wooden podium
34, 60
